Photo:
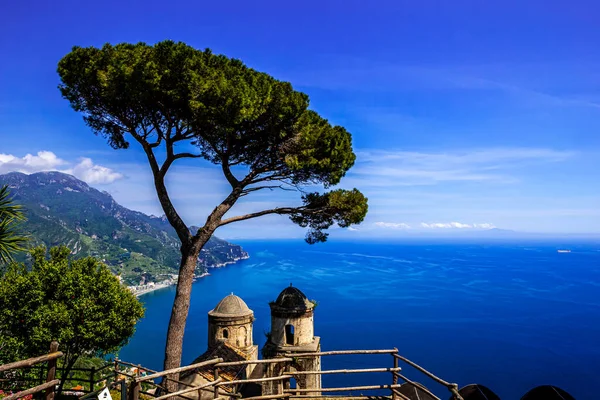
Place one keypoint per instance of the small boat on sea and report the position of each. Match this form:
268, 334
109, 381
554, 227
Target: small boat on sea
563, 251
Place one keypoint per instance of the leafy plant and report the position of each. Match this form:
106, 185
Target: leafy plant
78, 303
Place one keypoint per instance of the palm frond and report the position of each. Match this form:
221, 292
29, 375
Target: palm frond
8, 208
11, 217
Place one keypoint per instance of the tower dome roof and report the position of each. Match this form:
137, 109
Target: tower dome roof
293, 298
231, 306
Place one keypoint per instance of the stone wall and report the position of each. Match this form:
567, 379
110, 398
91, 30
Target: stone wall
303, 329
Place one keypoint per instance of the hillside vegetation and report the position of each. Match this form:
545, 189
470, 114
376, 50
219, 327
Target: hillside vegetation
62, 209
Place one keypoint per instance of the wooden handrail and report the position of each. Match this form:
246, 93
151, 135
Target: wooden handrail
177, 370
246, 362
135, 365
454, 390
341, 352
33, 390
423, 370
343, 371
342, 389
149, 370
397, 393
167, 378
274, 378
218, 363
192, 389
404, 378
31, 361
452, 387
344, 397
127, 375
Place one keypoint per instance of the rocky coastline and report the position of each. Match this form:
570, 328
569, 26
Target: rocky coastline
152, 286
232, 261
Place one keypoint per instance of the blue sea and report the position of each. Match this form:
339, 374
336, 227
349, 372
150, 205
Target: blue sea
510, 316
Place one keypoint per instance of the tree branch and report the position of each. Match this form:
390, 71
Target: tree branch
163, 196
170, 158
278, 210
156, 125
273, 177
186, 155
233, 181
155, 144
270, 187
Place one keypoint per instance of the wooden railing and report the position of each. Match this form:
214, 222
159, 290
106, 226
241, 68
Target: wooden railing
50, 383
138, 381
286, 375
89, 377
139, 374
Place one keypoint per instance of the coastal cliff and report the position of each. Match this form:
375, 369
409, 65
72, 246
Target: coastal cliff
140, 248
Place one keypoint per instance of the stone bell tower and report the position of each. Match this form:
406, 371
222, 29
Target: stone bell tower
292, 331
230, 322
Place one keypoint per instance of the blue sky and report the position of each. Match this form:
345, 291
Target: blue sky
464, 115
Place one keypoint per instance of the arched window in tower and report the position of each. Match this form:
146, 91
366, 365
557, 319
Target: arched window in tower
244, 335
225, 333
289, 334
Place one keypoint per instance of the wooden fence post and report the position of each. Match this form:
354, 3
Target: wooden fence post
123, 390
216, 394
92, 373
51, 371
134, 390
116, 369
394, 375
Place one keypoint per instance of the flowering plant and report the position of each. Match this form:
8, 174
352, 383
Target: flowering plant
4, 394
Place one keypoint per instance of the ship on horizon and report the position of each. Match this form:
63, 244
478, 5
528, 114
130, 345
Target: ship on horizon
564, 251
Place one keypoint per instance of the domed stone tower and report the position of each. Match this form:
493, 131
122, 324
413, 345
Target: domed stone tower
231, 322
292, 331
292, 322
229, 338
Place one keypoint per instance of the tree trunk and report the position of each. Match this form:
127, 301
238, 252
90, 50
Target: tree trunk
65, 375
179, 313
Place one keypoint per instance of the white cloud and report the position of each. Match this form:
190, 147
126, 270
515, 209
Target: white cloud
392, 225
433, 225
352, 229
484, 226
29, 164
366, 75
407, 168
89, 172
85, 170
467, 157
456, 225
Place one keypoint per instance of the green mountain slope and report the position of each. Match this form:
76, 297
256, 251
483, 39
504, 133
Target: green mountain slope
61, 209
